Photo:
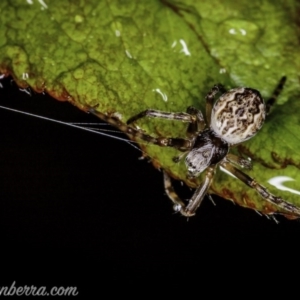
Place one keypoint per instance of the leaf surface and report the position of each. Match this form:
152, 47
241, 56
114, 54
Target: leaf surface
126, 57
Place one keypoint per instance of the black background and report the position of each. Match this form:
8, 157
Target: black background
71, 200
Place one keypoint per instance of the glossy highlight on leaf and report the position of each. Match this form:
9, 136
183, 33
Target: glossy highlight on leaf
126, 57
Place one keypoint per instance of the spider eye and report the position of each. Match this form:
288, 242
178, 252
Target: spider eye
238, 115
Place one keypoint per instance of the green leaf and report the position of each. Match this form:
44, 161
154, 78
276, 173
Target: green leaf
126, 57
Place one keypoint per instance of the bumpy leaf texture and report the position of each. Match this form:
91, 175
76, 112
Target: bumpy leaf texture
127, 56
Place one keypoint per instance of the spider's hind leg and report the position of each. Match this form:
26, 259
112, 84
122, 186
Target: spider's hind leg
239, 161
251, 182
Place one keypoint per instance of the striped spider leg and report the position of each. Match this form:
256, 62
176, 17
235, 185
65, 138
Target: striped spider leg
180, 144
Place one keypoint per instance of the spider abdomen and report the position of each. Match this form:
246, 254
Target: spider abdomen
238, 115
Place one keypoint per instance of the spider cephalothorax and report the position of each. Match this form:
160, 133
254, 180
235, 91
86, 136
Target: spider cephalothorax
208, 149
234, 118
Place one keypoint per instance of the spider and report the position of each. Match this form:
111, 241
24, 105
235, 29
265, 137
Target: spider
235, 117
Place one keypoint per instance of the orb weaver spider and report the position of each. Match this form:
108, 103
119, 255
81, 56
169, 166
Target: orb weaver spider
235, 117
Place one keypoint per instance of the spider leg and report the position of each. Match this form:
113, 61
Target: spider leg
210, 99
193, 129
192, 116
177, 143
275, 94
261, 189
200, 192
239, 161
198, 123
190, 209
178, 203
211, 199
179, 116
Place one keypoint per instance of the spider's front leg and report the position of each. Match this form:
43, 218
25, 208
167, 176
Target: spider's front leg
179, 205
289, 207
192, 116
197, 124
179, 116
177, 143
200, 192
189, 210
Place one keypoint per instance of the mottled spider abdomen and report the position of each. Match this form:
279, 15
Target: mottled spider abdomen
238, 115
